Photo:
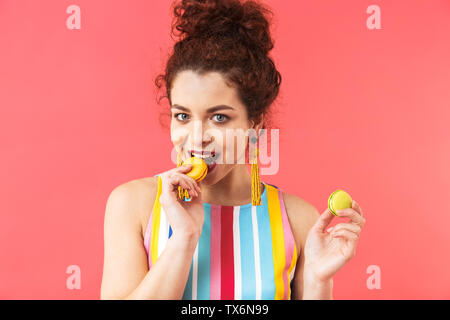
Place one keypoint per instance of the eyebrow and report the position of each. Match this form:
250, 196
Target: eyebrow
210, 110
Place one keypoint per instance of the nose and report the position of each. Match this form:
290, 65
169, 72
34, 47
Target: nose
199, 137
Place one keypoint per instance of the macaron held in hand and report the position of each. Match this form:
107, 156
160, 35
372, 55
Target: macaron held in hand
327, 250
199, 168
339, 200
198, 171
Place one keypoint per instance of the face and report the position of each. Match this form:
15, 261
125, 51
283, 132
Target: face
208, 117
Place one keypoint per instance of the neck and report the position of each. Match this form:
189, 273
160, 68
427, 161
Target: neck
233, 189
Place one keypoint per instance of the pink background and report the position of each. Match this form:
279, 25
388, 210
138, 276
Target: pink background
362, 110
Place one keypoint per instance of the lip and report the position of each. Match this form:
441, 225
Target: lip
211, 167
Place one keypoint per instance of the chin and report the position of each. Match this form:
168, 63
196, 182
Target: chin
211, 178
216, 175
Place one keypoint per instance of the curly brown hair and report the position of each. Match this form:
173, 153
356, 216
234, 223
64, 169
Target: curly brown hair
227, 36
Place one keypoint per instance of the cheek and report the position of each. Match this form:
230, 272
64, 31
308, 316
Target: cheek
234, 150
178, 134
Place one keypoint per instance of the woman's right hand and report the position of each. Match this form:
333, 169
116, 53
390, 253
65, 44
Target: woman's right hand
185, 217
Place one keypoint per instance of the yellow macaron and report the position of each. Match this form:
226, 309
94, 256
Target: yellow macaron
199, 168
339, 200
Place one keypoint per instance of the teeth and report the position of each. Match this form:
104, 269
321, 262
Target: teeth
209, 159
203, 156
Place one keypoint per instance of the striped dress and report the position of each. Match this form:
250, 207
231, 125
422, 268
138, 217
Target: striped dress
244, 252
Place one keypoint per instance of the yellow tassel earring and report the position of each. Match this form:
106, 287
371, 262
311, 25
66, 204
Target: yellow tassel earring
182, 193
256, 180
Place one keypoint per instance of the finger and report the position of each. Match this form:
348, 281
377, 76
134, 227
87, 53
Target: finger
192, 193
196, 200
354, 216
187, 178
346, 234
182, 169
323, 221
347, 226
195, 183
192, 183
356, 206
177, 180
191, 188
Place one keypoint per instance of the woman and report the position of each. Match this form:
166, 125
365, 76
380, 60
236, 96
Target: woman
234, 239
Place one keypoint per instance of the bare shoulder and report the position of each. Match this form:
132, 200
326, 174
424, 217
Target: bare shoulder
302, 216
134, 199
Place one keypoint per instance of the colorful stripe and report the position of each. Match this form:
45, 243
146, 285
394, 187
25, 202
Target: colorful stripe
147, 239
266, 261
257, 256
215, 252
155, 223
247, 270
163, 231
227, 252
291, 269
195, 274
187, 294
244, 252
204, 257
237, 255
289, 244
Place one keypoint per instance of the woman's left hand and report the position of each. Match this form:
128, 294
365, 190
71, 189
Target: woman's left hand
327, 251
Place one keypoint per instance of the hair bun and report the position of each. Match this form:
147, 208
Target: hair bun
247, 22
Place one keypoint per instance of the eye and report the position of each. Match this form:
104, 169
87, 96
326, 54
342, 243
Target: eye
180, 119
221, 117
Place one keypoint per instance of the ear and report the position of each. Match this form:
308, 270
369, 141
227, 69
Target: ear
258, 124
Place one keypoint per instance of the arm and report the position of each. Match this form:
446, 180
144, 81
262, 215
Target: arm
314, 289
303, 216
326, 250
167, 277
317, 290
125, 270
306, 287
